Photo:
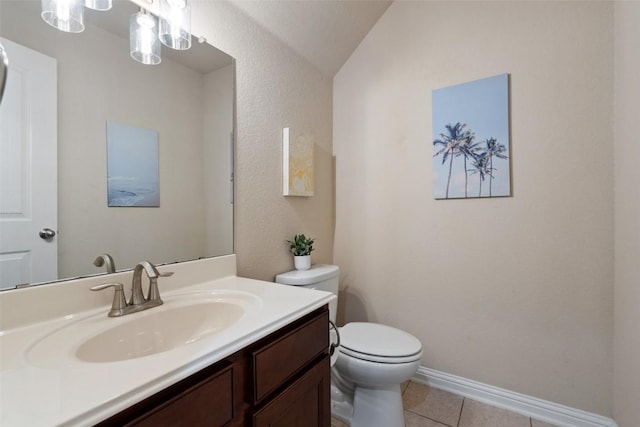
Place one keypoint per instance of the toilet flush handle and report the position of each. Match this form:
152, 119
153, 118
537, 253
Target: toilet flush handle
333, 346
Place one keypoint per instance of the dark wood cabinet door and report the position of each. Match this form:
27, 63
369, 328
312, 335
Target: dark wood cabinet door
306, 403
209, 403
284, 358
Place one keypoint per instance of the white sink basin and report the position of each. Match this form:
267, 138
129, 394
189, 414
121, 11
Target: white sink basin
181, 320
159, 331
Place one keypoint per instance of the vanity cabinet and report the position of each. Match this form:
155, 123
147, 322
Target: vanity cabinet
306, 403
207, 402
299, 362
281, 380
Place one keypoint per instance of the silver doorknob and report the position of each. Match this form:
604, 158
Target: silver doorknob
47, 234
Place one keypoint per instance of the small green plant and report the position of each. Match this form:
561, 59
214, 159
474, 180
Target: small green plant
301, 245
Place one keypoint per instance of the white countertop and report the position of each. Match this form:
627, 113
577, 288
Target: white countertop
80, 393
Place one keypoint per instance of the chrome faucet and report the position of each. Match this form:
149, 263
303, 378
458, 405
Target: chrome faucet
153, 295
107, 261
137, 302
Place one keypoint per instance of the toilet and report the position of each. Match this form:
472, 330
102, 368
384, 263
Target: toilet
372, 360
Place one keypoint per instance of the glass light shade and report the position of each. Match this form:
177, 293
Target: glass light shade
65, 15
175, 24
143, 38
98, 4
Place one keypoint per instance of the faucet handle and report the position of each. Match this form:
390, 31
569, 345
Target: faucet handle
154, 293
119, 302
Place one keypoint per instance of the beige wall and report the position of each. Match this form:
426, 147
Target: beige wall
275, 88
626, 390
515, 292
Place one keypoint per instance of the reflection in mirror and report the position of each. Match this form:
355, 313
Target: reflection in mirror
62, 89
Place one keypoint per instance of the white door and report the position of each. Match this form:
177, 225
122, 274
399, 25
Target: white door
28, 168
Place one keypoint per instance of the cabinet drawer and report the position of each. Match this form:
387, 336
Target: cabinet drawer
278, 361
208, 403
306, 402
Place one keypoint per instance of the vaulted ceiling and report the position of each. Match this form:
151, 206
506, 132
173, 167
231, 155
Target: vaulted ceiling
324, 32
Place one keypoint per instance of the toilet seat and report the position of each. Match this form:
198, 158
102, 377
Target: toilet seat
378, 343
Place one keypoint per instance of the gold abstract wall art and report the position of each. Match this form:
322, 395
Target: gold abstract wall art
297, 165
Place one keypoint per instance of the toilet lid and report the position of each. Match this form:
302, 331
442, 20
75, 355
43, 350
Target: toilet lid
376, 342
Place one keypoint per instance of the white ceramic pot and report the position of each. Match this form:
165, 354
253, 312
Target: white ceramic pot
302, 262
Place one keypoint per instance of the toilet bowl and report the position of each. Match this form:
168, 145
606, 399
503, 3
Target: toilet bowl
372, 360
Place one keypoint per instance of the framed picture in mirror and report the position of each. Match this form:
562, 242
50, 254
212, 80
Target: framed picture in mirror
132, 166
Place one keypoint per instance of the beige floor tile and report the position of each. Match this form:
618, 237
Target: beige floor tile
536, 423
476, 414
415, 420
337, 423
404, 386
432, 403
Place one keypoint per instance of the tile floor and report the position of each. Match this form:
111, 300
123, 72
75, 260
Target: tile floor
429, 407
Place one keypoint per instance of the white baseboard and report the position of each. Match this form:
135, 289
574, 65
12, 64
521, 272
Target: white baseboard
553, 413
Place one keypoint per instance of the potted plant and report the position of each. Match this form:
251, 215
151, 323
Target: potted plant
301, 247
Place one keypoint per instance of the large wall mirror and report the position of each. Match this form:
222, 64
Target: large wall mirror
54, 152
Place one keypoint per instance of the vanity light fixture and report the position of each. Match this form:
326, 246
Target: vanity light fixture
143, 38
100, 5
145, 32
175, 24
65, 15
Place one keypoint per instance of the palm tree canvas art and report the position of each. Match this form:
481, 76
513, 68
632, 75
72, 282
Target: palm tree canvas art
471, 139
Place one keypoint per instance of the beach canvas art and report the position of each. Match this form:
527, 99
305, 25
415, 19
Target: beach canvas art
297, 165
471, 146
132, 166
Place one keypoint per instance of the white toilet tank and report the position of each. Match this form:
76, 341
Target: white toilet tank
320, 277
